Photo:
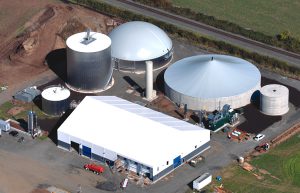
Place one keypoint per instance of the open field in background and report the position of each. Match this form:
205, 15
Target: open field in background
14, 14
269, 17
279, 170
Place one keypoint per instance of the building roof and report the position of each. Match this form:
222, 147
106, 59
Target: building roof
100, 43
28, 94
139, 41
212, 76
133, 131
56, 93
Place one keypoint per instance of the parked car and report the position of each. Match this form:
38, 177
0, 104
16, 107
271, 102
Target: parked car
97, 169
14, 133
197, 161
236, 132
259, 137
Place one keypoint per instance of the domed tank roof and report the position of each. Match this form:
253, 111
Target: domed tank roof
99, 43
212, 76
139, 41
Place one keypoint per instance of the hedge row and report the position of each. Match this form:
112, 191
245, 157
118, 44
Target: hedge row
194, 38
288, 43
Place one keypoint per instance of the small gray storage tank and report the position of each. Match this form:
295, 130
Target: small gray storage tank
55, 100
274, 99
89, 67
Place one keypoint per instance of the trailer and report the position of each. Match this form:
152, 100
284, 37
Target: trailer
202, 181
4, 126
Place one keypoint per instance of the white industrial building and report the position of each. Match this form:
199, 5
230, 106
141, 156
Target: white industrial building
134, 43
208, 82
108, 128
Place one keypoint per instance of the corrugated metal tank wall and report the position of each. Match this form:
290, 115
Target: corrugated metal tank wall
55, 108
194, 103
89, 71
139, 66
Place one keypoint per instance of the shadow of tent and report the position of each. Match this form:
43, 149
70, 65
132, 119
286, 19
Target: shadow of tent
53, 133
57, 62
51, 125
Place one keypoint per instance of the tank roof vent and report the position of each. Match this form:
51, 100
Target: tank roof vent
88, 38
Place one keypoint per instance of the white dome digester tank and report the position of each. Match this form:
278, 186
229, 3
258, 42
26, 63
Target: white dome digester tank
135, 42
208, 82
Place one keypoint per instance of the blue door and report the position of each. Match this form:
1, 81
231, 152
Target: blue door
177, 161
86, 151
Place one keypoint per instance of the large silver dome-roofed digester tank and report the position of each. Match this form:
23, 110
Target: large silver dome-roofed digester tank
208, 82
135, 42
55, 100
274, 99
89, 67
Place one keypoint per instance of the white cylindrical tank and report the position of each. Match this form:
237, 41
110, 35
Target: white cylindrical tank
89, 67
274, 99
55, 100
149, 80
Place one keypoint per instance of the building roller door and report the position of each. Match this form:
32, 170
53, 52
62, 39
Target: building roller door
86, 151
177, 161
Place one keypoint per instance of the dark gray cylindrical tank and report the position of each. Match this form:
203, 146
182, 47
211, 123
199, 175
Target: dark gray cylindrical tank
89, 67
55, 100
274, 99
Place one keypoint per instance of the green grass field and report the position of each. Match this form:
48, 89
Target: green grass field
5, 107
279, 169
268, 16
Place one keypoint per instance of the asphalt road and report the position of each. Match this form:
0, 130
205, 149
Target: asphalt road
248, 44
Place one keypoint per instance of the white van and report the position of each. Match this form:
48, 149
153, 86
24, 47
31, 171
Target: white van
4, 126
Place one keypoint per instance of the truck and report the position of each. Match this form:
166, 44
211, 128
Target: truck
97, 169
202, 181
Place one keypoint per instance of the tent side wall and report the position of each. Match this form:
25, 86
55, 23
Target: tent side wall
212, 104
96, 152
189, 156
63, 140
